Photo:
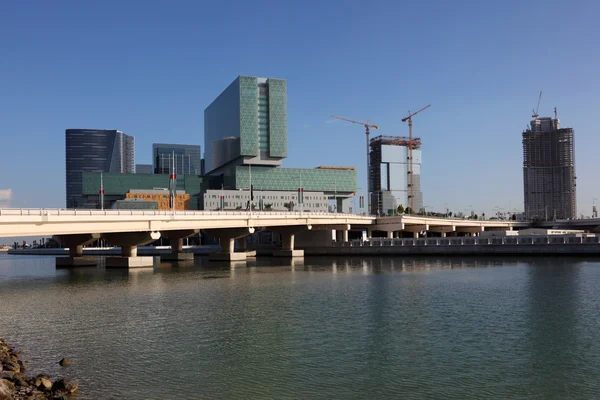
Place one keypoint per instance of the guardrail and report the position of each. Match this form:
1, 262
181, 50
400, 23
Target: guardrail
64, 211
472, 241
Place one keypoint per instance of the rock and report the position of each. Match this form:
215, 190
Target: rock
43, 383
59, 397
22, 366
11, 366
64, 362
7, 375
65, 385
20, 380
5, 391
9, 384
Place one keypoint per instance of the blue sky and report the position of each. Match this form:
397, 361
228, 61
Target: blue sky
149, 68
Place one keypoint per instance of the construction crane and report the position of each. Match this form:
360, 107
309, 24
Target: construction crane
535, 112
368, 128
410, 158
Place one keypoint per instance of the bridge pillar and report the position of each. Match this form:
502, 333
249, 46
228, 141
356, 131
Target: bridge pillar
415, 229
288, 237
346, 235
227, 242
75, 244
129, 242
176, 242
242, 243
390, 235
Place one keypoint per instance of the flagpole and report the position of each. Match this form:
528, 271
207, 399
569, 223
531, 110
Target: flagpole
173, 177
101, 192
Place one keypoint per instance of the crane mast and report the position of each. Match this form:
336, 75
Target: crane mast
410, 157
368, 133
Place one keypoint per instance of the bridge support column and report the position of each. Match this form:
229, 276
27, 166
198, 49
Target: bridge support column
415, 229
227, 241
176, 242
129, 243
242, 243
75, 244
390, 235
288, 237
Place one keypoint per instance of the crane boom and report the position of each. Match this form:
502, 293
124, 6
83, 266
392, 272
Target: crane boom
415, 113
368, 128
410, 158
535, 113
356, 122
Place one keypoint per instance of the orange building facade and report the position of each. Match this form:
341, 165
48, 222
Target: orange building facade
182, 201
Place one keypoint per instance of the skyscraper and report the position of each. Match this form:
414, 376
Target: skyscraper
94, 150
185, 157
390, 183
144, 169
246, 124
549, 170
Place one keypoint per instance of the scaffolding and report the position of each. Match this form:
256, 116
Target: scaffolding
382, 198
549, 170
394, 141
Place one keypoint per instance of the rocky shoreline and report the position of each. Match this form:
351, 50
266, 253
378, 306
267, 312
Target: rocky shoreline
14, 384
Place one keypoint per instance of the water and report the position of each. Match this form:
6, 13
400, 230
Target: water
347, 328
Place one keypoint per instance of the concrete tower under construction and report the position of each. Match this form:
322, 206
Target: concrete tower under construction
389, 174
549, 170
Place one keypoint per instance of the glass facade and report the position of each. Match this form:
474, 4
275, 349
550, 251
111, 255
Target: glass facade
144, 169
184, 157
94, 150
342, 181
247, 123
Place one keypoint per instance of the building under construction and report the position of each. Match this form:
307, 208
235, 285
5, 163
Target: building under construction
389, 171
549, 170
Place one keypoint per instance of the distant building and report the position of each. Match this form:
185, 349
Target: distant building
162, 197
127, 188
246, 124
270, 200
144, 169
390, 174
94, 150
245, 142
549, 170
184, 157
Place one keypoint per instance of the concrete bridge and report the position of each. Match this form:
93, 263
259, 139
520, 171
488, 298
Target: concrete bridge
132, 228
415, 224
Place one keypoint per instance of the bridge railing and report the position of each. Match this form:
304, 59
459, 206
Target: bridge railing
64, 211
473, 241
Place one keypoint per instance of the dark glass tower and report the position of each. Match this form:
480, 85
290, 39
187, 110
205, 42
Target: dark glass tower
186, 158
94, 150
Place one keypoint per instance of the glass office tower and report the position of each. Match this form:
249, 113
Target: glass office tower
144, 169
94, 150
246, 124
185, 158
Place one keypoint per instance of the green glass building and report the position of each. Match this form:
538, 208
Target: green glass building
246, 124
245, 138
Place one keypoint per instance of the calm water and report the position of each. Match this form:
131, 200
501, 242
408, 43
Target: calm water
412, 328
